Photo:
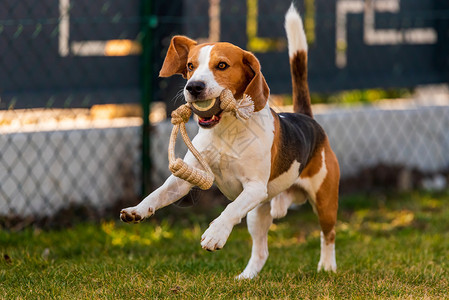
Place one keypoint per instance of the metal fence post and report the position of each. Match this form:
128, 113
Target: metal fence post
148, 25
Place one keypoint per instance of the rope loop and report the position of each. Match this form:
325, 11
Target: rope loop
227, 101
179, 168
181, 114
243, 109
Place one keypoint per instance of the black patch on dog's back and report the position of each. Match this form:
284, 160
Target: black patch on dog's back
300, 137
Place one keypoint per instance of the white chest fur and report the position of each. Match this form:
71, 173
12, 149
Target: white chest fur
238, 151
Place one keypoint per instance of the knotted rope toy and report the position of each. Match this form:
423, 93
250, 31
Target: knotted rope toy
241, 109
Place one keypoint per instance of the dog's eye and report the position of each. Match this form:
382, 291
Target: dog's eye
190, 66
222, 65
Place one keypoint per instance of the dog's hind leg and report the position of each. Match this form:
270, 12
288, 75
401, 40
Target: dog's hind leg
259, 221
326, 206
281, 203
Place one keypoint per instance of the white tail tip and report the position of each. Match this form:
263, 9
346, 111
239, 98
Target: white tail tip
295, 31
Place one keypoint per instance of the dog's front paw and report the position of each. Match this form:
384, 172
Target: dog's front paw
247, 274
215, 237
134, 215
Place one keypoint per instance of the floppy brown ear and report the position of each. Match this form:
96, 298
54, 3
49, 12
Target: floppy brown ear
177, 54
257, 89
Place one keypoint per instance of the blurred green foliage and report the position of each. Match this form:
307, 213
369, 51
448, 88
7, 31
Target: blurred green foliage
360, 96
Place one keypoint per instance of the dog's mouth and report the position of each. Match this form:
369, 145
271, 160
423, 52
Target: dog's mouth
210, 121
208, 112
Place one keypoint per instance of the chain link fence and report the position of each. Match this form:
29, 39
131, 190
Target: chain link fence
62, 150
73, 74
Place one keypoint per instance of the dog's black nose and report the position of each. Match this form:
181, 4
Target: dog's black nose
195, 87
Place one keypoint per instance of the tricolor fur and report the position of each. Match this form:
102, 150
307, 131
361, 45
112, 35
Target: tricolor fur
263, 164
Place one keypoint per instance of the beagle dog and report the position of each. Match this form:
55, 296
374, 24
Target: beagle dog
263, 164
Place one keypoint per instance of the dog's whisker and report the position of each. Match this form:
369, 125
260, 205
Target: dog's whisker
179, 96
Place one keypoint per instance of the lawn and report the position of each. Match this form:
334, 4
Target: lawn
388, 246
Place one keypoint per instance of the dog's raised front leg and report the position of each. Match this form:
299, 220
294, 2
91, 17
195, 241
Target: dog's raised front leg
172, 190
216, 235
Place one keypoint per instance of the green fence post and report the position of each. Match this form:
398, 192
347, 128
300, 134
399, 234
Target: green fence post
148, 25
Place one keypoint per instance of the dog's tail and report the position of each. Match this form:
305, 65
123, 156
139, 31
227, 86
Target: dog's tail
297, 52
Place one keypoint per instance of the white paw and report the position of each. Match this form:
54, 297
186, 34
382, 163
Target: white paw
327, 257
280, 204
327, 266
246, 275
215, 237
278, 211
135, 214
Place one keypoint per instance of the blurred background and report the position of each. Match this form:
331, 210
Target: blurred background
83, 114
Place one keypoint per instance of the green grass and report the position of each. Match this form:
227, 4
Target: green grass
394, 246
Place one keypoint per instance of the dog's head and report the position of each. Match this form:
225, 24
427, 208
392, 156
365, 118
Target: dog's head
211, 68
